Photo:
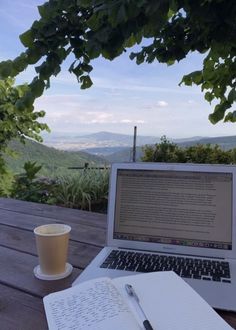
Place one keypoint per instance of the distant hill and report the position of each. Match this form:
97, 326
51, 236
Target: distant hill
225, 142
53, 160
119, 139
97, 140
124, 155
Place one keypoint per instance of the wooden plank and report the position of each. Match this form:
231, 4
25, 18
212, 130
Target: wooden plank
79, 232
18, 273
80, 254
21, 311
54, 212
229, 317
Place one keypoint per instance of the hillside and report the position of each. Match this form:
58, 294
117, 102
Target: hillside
53, 160
124, 155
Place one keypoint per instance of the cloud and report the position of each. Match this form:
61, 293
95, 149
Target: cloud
162, 104
132, 121
70, 111
156, 105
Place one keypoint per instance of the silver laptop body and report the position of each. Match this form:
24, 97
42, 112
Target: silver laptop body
174, 210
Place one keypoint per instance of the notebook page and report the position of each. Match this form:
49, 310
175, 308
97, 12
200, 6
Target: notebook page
93, 305
170, 303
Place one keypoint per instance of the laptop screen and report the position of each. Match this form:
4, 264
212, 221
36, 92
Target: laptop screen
185, 208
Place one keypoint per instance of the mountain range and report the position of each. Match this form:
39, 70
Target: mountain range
107, 148
225, 142
94, 141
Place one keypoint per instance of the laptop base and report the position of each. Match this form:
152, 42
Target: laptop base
218, 295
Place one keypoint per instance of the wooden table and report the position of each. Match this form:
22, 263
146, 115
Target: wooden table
21, 306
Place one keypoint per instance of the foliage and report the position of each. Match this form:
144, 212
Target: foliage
92, 28
165, 151
6, 183
87, 190
16, 119
208, 154
28, 187
169, 152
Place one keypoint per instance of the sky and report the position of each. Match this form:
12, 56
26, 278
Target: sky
123, 95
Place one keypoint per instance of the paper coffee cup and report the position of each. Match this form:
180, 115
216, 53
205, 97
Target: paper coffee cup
52, 246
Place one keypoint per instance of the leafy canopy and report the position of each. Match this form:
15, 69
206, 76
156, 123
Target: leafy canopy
92, 28
17, 119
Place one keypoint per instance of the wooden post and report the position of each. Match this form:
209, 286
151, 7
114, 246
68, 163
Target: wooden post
134, 144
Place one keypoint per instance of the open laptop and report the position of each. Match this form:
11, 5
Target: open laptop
179, 217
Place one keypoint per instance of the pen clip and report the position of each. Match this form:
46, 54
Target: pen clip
131, 292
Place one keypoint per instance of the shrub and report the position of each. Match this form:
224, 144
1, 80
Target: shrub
27, 186
169, 152
87, 190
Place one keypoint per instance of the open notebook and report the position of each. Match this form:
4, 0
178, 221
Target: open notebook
103, 304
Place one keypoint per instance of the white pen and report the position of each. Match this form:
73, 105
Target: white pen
130, 290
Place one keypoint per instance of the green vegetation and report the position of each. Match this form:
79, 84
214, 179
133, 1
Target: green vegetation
54, 162
26, 186
86, 189
170, 152
17, 120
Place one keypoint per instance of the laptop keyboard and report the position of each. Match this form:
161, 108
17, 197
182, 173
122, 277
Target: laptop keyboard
196, 268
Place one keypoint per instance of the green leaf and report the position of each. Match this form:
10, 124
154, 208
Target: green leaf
37, 87
45, 70
77, 71
196, 77
86, 67
86, 82
93, 22
232, 96
187, 80
218, 113
50, 30
27, 38
209, 96
20, 106
20, 62
7, 70
93, 49
170, 62
140, 58
44, 10
132, 56
230, 117
131, 41
33, 55
28, 99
